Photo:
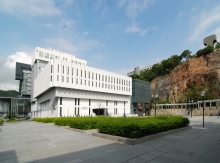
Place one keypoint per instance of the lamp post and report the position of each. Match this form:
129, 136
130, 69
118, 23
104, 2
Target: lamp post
203, 94
190, 106
154, 96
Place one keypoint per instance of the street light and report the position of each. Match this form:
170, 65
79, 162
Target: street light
203, 94
154, 96
190, 106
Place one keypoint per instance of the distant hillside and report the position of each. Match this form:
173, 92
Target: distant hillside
9, 93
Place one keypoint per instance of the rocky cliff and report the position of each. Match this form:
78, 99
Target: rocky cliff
198, 72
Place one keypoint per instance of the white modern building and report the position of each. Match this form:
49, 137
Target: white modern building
63, 85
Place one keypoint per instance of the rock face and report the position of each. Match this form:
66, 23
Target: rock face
198, 71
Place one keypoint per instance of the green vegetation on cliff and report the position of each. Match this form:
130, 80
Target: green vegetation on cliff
167, 65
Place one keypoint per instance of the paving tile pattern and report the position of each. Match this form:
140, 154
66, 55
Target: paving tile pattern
37, 142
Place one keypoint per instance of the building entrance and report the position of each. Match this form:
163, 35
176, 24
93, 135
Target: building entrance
99, 111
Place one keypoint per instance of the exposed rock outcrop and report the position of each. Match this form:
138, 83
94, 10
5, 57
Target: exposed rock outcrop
197, 71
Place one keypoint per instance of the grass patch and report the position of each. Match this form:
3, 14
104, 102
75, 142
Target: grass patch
130, 127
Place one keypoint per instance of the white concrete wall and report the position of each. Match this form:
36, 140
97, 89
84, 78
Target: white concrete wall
81, 77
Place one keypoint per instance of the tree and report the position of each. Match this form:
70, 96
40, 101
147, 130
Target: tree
135, 76
186, 54
147, 75
217, 45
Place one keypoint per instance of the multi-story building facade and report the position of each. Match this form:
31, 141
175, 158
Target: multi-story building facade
23, 74
63, 85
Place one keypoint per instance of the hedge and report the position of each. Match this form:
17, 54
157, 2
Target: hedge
131, 127
1, 121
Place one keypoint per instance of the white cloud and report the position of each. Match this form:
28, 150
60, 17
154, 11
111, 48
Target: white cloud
135, 29
205, 24
7, 77
74, 45
85, 33
17, 57
194, 9
32, 8
98, 56
134, 7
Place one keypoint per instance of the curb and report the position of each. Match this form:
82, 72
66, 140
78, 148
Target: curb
139, 140
78, 130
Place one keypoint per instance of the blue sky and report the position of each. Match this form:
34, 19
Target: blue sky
115, 35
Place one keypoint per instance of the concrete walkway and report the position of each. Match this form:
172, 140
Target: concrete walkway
37, 142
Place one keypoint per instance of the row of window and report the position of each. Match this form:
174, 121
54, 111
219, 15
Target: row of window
51, 56
92, 75
94, 84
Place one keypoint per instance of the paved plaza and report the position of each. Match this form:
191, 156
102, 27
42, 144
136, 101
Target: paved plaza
38, 142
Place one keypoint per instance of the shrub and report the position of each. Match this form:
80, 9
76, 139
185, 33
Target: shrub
44, 120
1, 121
10, 116
204, 51
139, 127
131, 127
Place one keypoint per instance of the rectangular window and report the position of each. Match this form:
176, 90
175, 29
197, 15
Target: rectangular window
89, 75
51, 77
51, 68
92, 83
106, 102
72, 71
72, 80
111, 79
63, 69
62, 78
95, 76
81, 82
102, 77
58, 68
78, 101
96, 84
114, 80
81, 73
129, 83
117, 80
99, 77
85, 82
92, 75
76, 72
75, 101
67, 79
60, 100
76, 80
89, 102
75, 110
105, 78
51, 56
88, 83
57, 77
124, 103
85, 74
61, 111
68, 71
